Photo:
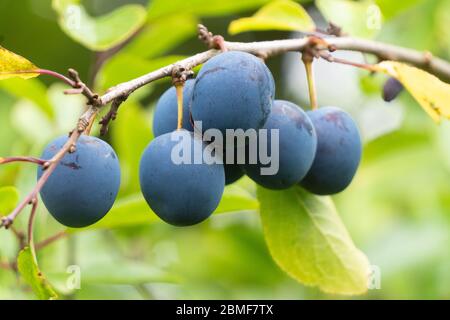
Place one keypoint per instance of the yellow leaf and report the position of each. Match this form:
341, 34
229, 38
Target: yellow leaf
276, 15
430, 92
13, 65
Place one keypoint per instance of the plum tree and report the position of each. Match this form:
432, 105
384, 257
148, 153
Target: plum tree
84, 185
165, 117
338, 151
233, 90
296, 147
180, 193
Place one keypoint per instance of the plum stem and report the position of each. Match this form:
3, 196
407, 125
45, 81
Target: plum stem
91, 123
59, 76
179, 76
34, 204
22, 159
179, 87
308, 62
365, 66
49, 240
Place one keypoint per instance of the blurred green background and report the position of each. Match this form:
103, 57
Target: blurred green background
397, 209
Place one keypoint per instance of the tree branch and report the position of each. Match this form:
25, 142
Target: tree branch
424, 60
34, 204
112, 114
6, 266
22, 159
42, 244
420, 59
321, 45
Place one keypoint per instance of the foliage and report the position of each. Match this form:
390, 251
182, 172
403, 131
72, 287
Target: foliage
430, 92
396, 209
9, 196
320, 251
100, 33
13, 65
358, 18
30, 272
276, 15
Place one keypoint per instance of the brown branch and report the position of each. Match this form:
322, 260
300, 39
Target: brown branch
6, 266
365, 66
73, 80
42, 244
126, 88
437, 66
22, 159
21, 239
425, 60
112, 114
205, 36
34, 204
85, 90
57, 75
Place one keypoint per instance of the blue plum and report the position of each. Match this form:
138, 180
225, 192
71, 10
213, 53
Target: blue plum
181, 192
338, 151
296, 147
166, 113
391, 89
84, 185
233, 90
233, 171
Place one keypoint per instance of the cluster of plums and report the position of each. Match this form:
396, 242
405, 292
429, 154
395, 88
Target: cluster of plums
320, 149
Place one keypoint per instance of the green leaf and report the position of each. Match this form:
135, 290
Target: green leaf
128, 211
124, 67
30, 272
24, 117
12, 65
134, 210
358, 18
277, 15
9, 197
309, 242
33, 90
422, 35
99, 33
150, 43
441, 19
67, 108
390, 8
235, 199
159, 8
